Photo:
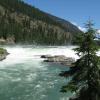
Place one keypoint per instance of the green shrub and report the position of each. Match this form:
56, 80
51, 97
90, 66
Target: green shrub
2, 51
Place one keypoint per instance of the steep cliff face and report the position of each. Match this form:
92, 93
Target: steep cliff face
27, 24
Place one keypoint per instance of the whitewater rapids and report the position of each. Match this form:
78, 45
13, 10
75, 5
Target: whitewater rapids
24, 75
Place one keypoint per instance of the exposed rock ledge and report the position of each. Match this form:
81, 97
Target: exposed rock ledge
67, 61
9, 40
3, 54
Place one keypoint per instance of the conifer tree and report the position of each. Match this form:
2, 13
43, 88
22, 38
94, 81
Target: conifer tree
85, 75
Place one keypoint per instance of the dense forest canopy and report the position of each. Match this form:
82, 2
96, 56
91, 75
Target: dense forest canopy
24, 23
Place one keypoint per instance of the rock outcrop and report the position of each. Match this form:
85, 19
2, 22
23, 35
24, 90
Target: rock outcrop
9, 40
61, 59
2, 41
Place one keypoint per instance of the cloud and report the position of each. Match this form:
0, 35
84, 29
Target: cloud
82, 29
98, 31
79, 27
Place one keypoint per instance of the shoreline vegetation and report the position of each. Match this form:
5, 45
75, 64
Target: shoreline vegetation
85, 75
3, 54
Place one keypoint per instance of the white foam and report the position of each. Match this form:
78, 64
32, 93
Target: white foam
23, 55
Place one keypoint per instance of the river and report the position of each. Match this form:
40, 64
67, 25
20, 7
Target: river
24, 75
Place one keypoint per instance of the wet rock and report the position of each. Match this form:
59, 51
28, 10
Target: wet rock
45, 56
67, 61
64, 74
73, 98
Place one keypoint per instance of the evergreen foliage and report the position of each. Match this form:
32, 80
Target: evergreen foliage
2, 51
85, 81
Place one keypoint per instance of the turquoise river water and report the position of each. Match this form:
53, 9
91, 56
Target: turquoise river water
24, 75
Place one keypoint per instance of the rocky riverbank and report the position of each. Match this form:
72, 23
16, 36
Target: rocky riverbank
9, 40
3, 54
61, 59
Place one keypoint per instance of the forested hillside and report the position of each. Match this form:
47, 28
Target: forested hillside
22, 23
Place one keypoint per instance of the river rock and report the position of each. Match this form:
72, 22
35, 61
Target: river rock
64, 74
67, 61
45, 56
73, 98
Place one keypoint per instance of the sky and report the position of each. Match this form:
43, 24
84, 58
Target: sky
75, 11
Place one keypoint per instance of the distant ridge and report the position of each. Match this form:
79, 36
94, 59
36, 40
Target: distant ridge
26, 24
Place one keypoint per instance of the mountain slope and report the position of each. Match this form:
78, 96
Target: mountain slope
24, 23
